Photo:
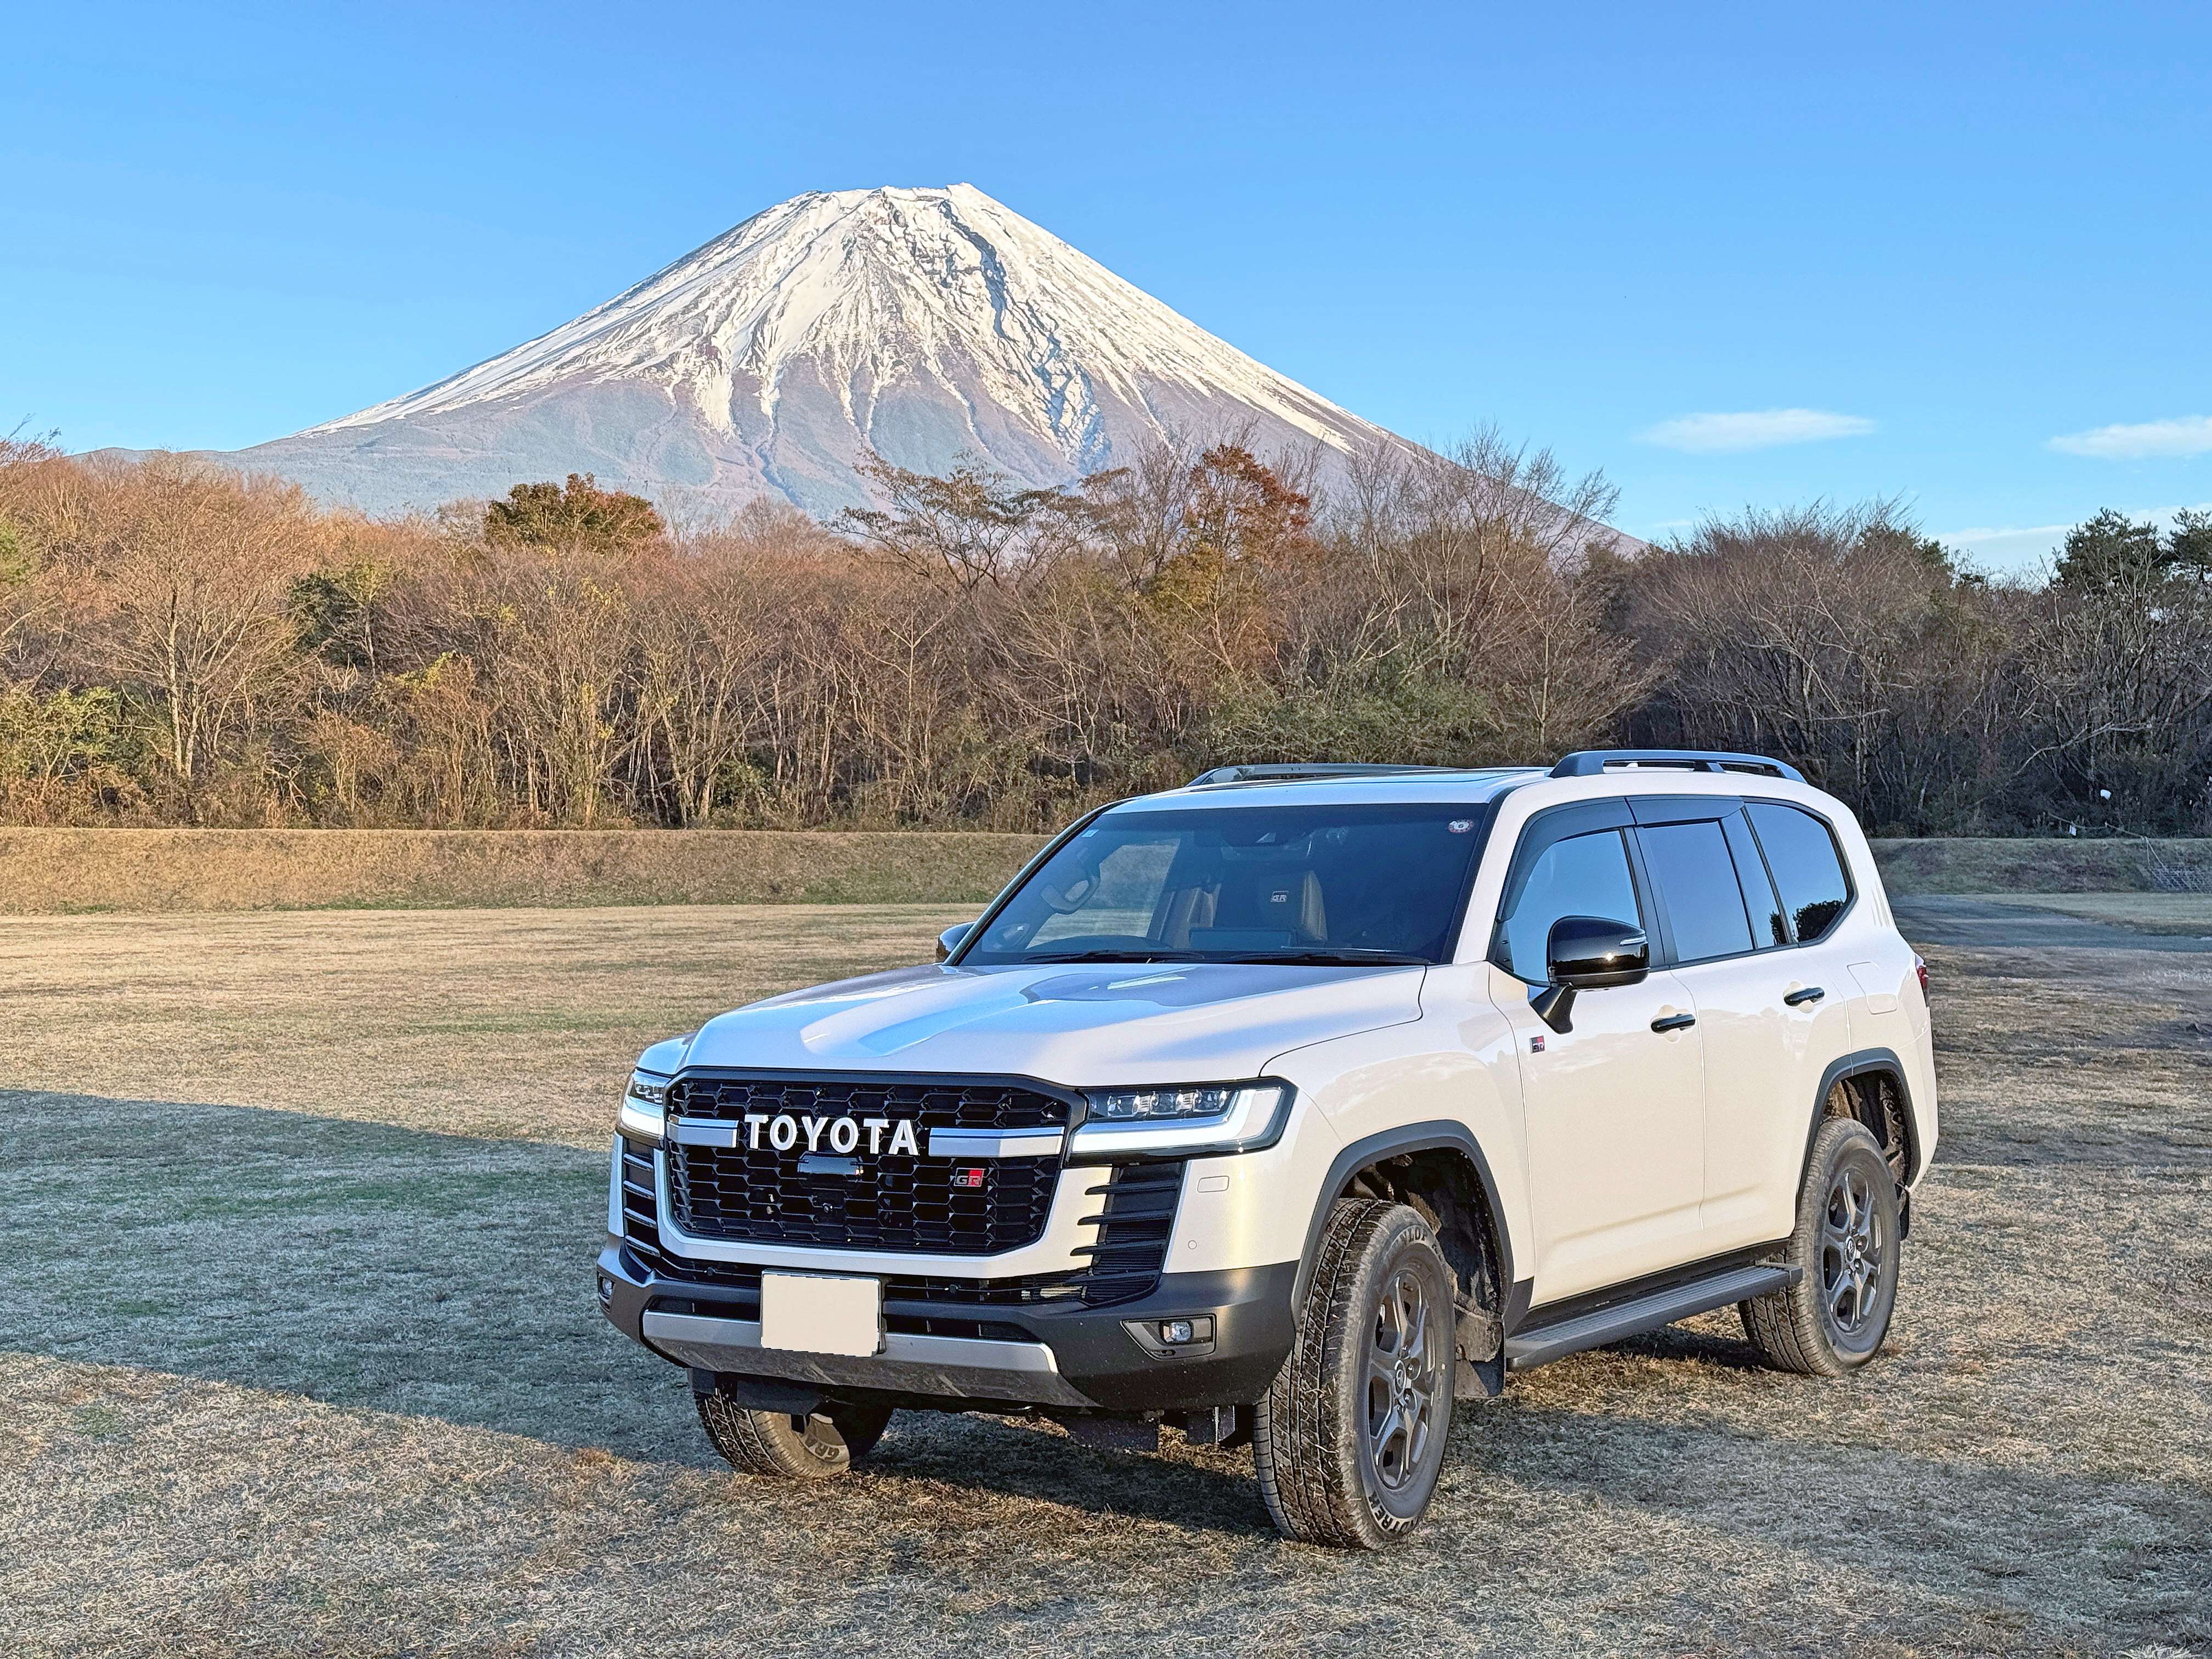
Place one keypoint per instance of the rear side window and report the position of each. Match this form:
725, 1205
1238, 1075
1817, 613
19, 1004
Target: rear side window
1583, 876
1801, 852
1696, 877
1768, 928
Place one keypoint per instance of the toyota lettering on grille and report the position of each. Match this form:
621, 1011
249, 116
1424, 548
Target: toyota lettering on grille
784, 1130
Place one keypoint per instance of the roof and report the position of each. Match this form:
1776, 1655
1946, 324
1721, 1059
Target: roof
1472, 787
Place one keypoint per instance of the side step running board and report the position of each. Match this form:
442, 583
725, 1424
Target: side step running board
1540, 1344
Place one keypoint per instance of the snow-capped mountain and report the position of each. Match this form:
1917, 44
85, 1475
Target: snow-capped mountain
923, 324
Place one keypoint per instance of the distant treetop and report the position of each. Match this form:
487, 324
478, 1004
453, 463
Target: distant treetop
578, 515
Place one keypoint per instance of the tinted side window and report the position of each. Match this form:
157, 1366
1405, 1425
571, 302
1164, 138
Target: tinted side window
1768, 929
1696, 878
1809, 870
1583, 876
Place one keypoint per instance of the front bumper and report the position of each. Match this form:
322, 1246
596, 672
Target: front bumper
1068, 1357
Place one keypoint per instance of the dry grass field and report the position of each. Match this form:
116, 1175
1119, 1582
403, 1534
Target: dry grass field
298, 1353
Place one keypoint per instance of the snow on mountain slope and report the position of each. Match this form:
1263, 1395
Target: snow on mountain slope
924, 325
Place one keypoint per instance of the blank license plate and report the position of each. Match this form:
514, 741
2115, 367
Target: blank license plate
821, 1313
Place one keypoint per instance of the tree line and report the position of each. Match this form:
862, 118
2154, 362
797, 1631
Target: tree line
179, 646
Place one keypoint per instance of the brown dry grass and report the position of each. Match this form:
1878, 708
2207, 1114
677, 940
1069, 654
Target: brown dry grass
299, 1355
69, 871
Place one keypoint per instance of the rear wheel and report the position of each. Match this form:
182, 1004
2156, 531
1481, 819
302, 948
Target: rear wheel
1350, 1439
786, 1447
1849, 1243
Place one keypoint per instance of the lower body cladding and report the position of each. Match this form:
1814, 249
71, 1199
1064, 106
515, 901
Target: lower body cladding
1060, 1357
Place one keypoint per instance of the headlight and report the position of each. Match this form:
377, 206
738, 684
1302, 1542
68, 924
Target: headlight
1182, 1120
644, 1114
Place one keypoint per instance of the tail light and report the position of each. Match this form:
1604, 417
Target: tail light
1920, 967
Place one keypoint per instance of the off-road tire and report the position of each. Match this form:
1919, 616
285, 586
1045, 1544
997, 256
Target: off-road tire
782, 1447
1802, 1330
1314, 1438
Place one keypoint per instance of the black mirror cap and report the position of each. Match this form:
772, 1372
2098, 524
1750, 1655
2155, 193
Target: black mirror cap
1591, 953
949, 940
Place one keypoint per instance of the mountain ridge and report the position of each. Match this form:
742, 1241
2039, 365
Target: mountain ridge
925, 325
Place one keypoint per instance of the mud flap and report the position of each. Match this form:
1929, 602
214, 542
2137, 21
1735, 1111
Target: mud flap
1481, 1371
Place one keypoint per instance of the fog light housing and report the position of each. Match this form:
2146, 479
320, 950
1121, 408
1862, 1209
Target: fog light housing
606, 1291
1182, 1336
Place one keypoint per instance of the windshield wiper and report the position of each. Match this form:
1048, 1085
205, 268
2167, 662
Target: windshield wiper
1348, 957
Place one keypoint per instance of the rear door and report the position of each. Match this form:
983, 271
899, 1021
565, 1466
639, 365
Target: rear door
1614, 1107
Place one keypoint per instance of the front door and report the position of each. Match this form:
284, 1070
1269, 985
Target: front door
1614, 1106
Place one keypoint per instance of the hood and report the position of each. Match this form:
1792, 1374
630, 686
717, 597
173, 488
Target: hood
1102, 1025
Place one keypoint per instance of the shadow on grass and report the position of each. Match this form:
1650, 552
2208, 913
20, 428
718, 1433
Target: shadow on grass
444, 1276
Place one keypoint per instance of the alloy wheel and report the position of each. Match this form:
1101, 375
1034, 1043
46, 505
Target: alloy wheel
1405, 1368
1855, 1248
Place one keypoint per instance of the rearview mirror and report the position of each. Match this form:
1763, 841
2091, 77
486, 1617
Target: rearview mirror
949, 940
1588, 953
1062, 900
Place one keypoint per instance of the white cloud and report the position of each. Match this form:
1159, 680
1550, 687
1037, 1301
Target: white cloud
1976, 536
2007, 546
1759, 428
2190, 434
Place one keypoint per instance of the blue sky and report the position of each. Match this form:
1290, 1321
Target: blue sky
1756, 254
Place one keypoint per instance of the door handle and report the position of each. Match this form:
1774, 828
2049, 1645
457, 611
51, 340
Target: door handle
1674, 1022
1804, 993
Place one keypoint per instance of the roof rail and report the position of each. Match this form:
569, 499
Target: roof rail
1282, 772
1589, 762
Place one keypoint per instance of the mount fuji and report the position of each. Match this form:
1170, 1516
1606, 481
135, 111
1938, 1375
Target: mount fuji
925, 325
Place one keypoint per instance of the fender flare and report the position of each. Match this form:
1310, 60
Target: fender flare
1441, 1132
1860, 1063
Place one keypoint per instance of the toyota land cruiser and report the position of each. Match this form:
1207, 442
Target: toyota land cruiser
1289, 1110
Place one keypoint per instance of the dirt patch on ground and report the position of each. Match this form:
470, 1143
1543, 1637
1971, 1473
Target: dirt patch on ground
299, 1354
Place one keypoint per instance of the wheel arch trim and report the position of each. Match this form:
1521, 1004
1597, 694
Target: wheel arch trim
1441, 1134
1865, 1063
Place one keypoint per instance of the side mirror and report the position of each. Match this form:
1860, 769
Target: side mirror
1588, 953
949, 940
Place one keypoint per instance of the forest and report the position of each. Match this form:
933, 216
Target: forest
181, 646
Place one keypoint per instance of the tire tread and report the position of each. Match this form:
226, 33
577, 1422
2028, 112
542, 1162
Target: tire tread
1785, 1326
1305, 1458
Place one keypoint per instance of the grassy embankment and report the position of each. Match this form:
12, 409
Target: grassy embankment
70, 872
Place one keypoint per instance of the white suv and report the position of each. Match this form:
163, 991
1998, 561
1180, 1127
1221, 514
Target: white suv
1291, 1107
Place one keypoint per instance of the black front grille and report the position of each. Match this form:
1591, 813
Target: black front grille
1124, 1259
896, 1202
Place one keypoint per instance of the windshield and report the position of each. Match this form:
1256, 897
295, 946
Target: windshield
1320, 884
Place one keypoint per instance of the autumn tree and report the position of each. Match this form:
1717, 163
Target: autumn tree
972, 527
576, 517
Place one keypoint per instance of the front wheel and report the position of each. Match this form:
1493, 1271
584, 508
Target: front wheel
785, 1447
1849, 1243
1350, 1437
